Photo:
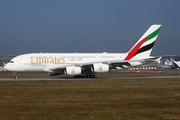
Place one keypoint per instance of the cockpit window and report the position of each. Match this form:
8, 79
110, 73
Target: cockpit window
11, 61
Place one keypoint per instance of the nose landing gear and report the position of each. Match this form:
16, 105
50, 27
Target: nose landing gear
15, 75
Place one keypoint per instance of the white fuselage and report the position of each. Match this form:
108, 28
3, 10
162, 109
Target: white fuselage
39, 62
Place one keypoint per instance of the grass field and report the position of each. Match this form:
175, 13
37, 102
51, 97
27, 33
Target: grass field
147, 99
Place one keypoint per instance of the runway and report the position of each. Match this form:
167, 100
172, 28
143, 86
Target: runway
99, 78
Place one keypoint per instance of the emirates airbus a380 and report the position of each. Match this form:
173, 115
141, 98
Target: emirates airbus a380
86, 64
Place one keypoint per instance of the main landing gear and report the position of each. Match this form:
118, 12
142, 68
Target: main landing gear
85, 76
77, 76
15, 75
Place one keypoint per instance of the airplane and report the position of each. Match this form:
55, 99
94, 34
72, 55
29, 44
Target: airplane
86, 65
176, 64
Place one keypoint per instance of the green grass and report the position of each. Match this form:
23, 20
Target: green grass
147, 99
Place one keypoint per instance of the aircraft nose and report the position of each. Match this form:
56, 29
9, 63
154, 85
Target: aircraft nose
5, 67
8, 67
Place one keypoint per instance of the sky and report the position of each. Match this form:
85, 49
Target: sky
86, 26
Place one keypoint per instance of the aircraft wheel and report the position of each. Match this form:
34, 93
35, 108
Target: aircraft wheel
89, 76
94, 76
79, 76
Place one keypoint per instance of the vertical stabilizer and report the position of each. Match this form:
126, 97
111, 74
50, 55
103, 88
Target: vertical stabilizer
175, 64
142, 49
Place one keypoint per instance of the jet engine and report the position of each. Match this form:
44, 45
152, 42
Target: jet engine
72, 70
99, 67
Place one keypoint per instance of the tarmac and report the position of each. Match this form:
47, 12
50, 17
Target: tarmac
99, 78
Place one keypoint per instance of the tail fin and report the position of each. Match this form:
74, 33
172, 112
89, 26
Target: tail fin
175, 65
144, 45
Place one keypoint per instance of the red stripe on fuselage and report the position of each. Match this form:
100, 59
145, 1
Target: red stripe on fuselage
135, 49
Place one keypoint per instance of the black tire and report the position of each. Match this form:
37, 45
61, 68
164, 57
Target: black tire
94, 76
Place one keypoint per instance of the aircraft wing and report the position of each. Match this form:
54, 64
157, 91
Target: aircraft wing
113, 64
123, 64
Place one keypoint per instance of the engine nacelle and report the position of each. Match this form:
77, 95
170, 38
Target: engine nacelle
135, 63
72, 70
98, 67
126, 66
119, 68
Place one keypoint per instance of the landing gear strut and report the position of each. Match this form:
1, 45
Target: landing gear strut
15, 75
